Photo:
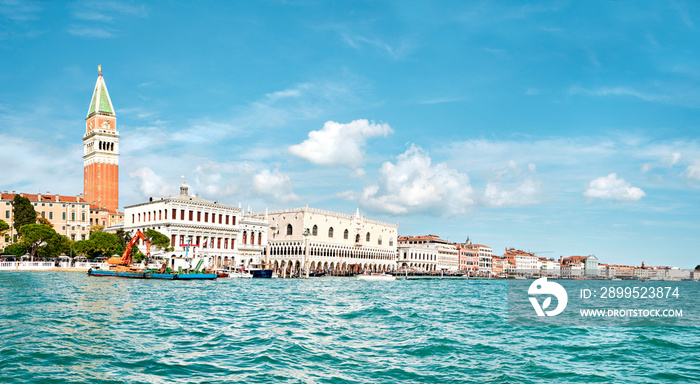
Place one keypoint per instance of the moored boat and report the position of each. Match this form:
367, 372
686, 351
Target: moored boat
376, 277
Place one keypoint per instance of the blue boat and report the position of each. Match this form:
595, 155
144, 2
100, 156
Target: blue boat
151, 274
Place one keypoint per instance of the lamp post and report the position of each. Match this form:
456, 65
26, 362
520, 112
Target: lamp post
307, 234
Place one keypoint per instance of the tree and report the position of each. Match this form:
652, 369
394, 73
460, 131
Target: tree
34, 236
16, 249
4, 227
697, 268
55, 246
81, 247
96, 228
44, 221
23, 212
105, 244
157, 239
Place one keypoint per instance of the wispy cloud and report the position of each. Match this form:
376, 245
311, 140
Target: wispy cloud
91, 32
618, 91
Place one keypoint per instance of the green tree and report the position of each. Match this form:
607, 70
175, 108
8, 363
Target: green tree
697, 268
81, 247
157, 239
105, 244
55, 246
44, 221
23, 212
34, 236
16, 249
4, 227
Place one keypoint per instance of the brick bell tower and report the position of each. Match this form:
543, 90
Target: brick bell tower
101, 150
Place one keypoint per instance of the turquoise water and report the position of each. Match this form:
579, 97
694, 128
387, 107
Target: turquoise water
65, 327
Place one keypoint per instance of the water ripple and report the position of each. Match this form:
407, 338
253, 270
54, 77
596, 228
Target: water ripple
70, 328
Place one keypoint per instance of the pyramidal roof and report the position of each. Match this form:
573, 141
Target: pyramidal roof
101, 103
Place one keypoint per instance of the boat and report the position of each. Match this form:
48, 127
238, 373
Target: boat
241, 275
259, 272
376, 277
124, 267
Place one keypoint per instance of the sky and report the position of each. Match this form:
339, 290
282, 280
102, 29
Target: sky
556, 127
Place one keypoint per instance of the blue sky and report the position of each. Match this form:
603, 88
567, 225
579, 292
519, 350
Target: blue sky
567, 128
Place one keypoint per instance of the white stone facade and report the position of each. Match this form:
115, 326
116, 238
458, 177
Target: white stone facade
335, 242
223, 234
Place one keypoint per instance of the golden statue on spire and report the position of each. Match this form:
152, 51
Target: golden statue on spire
99, 68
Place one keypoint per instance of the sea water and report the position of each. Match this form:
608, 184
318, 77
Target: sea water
66, 327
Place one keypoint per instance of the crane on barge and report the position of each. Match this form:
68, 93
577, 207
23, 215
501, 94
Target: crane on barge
125, 260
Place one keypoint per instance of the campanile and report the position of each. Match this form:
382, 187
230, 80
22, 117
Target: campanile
101, 150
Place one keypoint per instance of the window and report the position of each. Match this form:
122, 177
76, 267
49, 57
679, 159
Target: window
83, 216
72, 236
357, 238
218, 243
259, 238
199, 216
221, 217
50, 215
226, 219
233, 220
191, 215
50, 204
245, 237
166, 214
289, 229
82, 237
43, 214
139, 217
172, 239
345, 234
391, 242
379, 241
314, 231
330, 232
206, 216
174, 214
72, 216
160, 215
182, 214
367, 237
133, 217
7, 214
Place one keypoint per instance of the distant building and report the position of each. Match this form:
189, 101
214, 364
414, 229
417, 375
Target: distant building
468, 259
590, 264
526, 264
484, 255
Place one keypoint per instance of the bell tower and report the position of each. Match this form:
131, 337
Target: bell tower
101, 150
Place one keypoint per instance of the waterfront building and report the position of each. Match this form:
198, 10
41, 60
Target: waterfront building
220, 233
419, 258
590, 264
468, 259
484, 256
69, 215
526, 264
573, 269
497, 265
549, 267
623, 271
310, 239
447, 253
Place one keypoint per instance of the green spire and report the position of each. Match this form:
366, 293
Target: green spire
101, 103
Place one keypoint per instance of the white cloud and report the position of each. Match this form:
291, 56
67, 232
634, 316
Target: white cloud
618, 91
513, 187
94, 32
274, 184
667, 162
339, 144
693, 171
611, 188
413, 185
149, 184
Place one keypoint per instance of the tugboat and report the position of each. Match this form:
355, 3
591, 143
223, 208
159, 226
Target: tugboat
124, 267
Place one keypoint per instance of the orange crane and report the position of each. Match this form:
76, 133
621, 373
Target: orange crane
125, 260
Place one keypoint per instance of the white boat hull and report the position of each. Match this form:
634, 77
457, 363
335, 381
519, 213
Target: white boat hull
376, 277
